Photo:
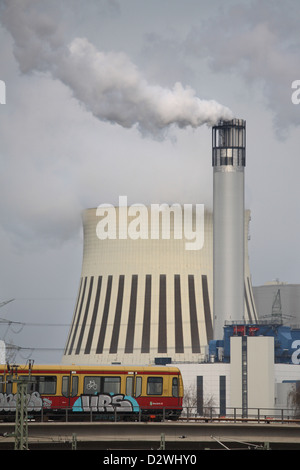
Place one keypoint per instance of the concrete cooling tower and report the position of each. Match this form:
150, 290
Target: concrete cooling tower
146, 287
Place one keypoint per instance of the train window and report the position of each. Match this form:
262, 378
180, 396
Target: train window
65, 386
45, 385
2, 380
9, 387
74, 386
138, 387
129, 386
111, 384
175, 387
94, 385
154, 386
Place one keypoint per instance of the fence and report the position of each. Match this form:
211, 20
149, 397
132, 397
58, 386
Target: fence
259, 415
189, 414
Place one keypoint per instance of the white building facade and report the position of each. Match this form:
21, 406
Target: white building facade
250, 385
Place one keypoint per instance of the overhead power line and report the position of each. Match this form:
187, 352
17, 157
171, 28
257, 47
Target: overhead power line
13, 322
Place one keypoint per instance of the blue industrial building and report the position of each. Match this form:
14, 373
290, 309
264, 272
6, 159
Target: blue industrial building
286, 341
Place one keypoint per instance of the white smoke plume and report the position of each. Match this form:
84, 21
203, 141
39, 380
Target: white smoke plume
108, 84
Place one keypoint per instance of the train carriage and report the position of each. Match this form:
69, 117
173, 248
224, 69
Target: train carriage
149, 392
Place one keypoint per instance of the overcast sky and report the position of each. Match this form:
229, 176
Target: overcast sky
107, 98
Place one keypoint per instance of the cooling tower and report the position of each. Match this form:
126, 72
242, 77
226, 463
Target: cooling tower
145, 295
228, 160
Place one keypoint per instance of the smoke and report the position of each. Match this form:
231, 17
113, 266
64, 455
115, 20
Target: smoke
114, 90
63, 159
108, 84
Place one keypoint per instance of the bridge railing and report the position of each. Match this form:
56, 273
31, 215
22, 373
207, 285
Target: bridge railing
259, 415
189, 413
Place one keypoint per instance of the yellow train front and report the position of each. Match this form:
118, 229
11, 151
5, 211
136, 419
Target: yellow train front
108, 392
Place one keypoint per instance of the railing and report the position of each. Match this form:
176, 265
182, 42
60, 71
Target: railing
258, 415
189, 414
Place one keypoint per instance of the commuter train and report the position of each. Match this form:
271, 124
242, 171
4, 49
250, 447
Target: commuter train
87, 392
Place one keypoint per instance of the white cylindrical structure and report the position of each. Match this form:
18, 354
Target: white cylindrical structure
142, 298
229, 148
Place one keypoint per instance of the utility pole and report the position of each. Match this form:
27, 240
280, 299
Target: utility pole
21, 420
21, 423
74, 441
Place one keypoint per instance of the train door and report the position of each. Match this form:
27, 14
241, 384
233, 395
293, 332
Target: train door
69, 388
175, 388
133, 385
134, 389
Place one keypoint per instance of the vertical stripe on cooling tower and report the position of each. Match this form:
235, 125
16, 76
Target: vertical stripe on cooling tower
78, 317
70, 335
131, 316
145, 348
193, 316
102, 332
178, 316
207, 313
162, 322
251, 298
94, 318
87, 307
247, 304
117, 321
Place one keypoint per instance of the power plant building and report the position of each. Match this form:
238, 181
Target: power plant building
171, 284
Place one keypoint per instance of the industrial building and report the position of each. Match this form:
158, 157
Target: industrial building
172, 284
278, 302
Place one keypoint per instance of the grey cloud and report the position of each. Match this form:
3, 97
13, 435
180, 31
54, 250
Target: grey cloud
258, 41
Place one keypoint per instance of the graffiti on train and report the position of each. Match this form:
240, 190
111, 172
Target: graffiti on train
8, 402
107, 403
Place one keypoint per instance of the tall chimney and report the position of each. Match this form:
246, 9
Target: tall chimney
228, 160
